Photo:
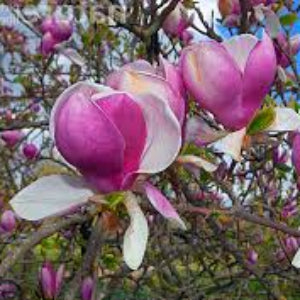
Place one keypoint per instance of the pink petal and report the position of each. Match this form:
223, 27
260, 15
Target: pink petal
128, 117
163, 135
240, 47
114, 79
214, 80
145, 84
162, 205
60, 101
173, 75
86, 137
259, 75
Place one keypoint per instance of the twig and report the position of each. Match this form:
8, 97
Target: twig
44, 232
92, 252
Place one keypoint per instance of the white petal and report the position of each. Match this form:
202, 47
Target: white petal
163, 135
286, 120
198, 162
259, 12
136, 235
50, 195
296, 260
282, 74
231, 144
240, 47
273, 25
162, 205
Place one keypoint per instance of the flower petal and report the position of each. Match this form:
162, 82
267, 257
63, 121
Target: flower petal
162, 146
259, 75
205, 66
50, 195
231, 144
172, 74
198, 162
67, 93
162, 205
296, 260
136, 235
197, 131
240, 47
146, 84
286, 120
122, 110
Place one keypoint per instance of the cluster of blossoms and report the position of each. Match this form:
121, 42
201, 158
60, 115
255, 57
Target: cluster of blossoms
231, 9
12, 138
116, 135
51, 282
55, 31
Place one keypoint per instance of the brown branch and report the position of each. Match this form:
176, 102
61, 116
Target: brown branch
44, 232
92, 252
242, 214
157, 22
22, 125
244, 4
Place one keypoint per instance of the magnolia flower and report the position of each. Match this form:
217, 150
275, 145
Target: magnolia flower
87, 288
280, 156
295, 152
286, 48
230, 79
110, 137
252, 257
232, 7
177, 22
7, 221
30, 151
231, 12
50, 280
12, 137
55, 31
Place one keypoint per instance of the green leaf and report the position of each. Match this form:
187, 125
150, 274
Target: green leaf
114, 199
288, 20
262, 120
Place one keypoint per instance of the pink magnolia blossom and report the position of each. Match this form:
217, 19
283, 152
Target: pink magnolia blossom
286, 48
94, 130
252, 257
111, 136
87, 287
231, 10
30, 151
54, 32
295, 153
230, 79
232, 7
8, 221
12, 137
50, 280
177, 22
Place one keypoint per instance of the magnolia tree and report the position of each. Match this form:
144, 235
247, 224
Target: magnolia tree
149, 150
